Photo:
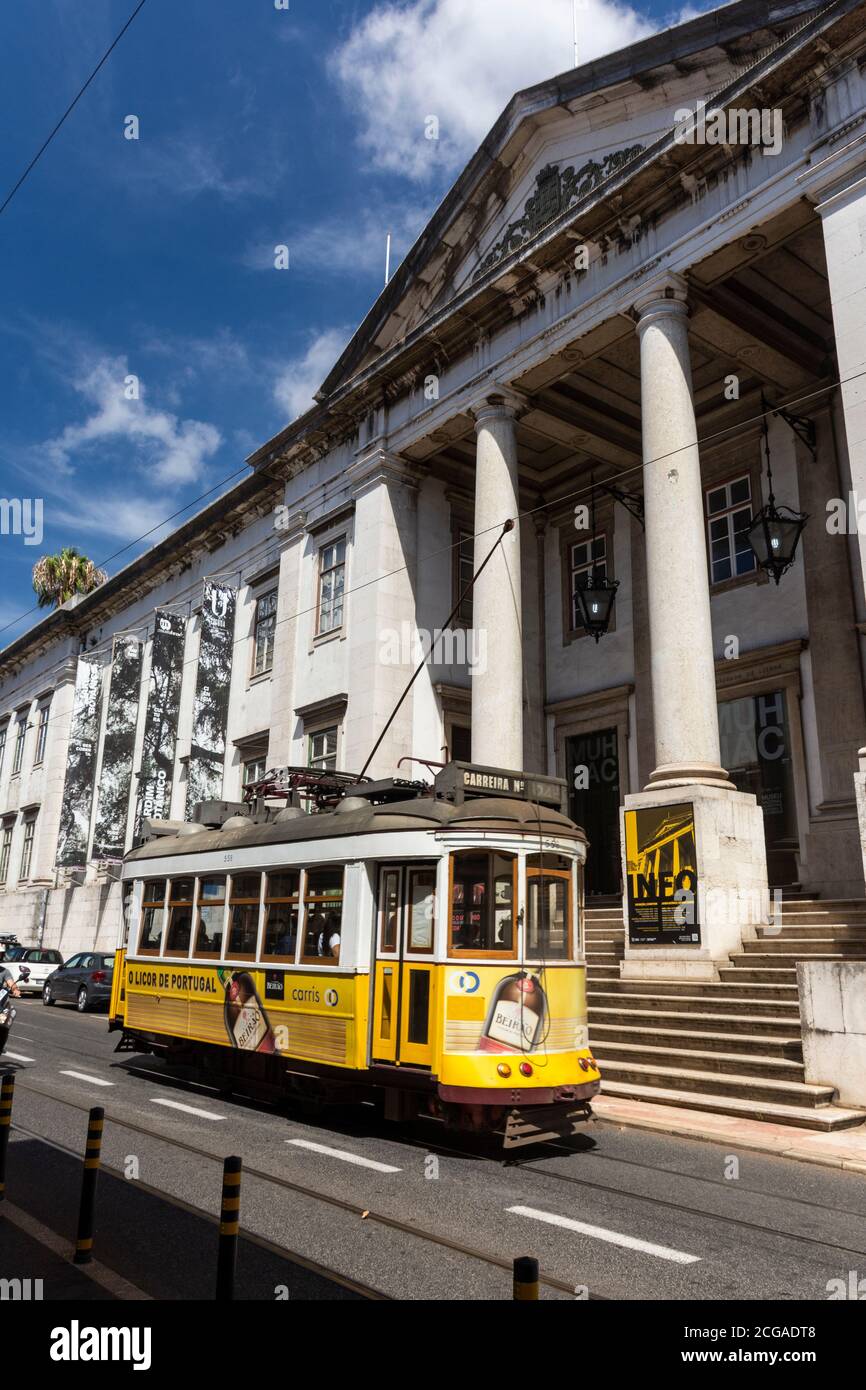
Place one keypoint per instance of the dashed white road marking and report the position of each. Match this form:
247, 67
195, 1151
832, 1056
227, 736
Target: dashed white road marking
346, 1157
17, 1056
189, 1109
662, 1252
82, 1076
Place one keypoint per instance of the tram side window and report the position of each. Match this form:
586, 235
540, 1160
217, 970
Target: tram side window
323, 905
282, 896
483, 902
244, 916
211, 918
152, 914
422, 909
549, 917
180, 917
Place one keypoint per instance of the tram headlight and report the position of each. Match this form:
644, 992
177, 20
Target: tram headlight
504, 1069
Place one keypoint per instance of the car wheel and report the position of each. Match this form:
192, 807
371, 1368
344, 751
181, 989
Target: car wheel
47, 997
82, 999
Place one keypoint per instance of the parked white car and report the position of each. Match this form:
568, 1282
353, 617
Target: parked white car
41, 963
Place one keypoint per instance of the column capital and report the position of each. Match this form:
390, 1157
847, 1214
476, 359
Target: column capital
498, 403
665, 296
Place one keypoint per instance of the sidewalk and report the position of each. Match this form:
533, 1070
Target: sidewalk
844, 1149
36, 1268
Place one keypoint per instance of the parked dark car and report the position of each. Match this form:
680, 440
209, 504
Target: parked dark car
85, 981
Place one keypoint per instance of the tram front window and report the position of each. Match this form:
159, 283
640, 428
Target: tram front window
244, 916
180, 917
281, 916
482, 902
152, 915
323, 904
548, 901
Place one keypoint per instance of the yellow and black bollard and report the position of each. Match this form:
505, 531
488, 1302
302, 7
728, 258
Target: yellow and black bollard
7, 1091
526, 1279
86, 1213
230, 1213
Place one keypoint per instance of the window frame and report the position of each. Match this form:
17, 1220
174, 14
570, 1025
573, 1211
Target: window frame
727, 513
333, 544
7, 833
4, 739
260, 619
21, 727
568, 538
470, 953
246, 956
412, 872
209, 902
323, 962
567, 875
42, 734
269, 902
27, 845
146, 906
322, 732
171, 905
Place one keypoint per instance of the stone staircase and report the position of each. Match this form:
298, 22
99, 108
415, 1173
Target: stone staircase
731, 1046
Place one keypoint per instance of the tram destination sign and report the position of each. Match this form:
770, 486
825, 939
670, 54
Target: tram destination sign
661, 869
458, 781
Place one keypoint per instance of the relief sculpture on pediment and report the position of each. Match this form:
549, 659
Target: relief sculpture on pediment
555, 191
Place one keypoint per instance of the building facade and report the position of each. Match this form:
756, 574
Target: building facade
647, 285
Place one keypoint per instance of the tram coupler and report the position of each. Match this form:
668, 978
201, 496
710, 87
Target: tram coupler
128, 1042
526, 1125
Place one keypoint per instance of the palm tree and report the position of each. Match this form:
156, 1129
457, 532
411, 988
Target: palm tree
58, 578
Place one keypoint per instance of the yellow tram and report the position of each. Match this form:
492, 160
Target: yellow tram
413, 943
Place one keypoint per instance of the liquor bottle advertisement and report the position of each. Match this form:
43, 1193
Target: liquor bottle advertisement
519, 1011
662, 876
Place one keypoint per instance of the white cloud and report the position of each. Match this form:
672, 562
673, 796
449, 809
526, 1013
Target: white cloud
174, 450
302, 376
461, 61
346, 245
187, 166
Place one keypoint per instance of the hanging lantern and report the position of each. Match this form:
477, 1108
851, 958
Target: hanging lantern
775, 532
594, 592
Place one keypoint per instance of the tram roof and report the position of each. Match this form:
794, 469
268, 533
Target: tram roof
351, 818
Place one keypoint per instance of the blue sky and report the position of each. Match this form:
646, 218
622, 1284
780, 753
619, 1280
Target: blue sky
154, 257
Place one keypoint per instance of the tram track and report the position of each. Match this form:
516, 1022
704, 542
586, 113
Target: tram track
300, 1189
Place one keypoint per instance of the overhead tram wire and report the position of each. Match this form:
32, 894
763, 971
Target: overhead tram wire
522, 516
70, 108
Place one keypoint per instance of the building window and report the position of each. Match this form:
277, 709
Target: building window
254, 770
27, 847
5, 851
323, 750
41, 736
464, 570
265, 627
3, 735
18, 757
729, 516
332, 583
583, 558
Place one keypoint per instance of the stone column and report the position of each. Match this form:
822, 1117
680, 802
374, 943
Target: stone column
283, 720
690, 831
683, 670
497, 690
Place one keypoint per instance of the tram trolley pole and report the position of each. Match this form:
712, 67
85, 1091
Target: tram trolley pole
7, 1092
87, 1210
525, 1279
229, 1228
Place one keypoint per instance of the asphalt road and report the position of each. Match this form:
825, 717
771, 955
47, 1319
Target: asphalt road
620, 1214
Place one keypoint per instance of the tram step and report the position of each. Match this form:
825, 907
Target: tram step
775, 1026
712, 989
825, 1118
743, 1086
697, 999
603, 1036
649, 1058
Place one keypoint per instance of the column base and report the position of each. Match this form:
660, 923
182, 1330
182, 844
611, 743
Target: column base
688, 775
672, 931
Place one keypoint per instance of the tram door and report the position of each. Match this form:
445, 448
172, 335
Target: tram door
404, 978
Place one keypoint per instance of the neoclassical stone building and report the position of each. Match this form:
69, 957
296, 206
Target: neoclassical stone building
608, 306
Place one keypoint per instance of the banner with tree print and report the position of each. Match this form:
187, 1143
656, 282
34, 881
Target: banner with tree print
118, 748
77, 801
213, 682
160, 726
